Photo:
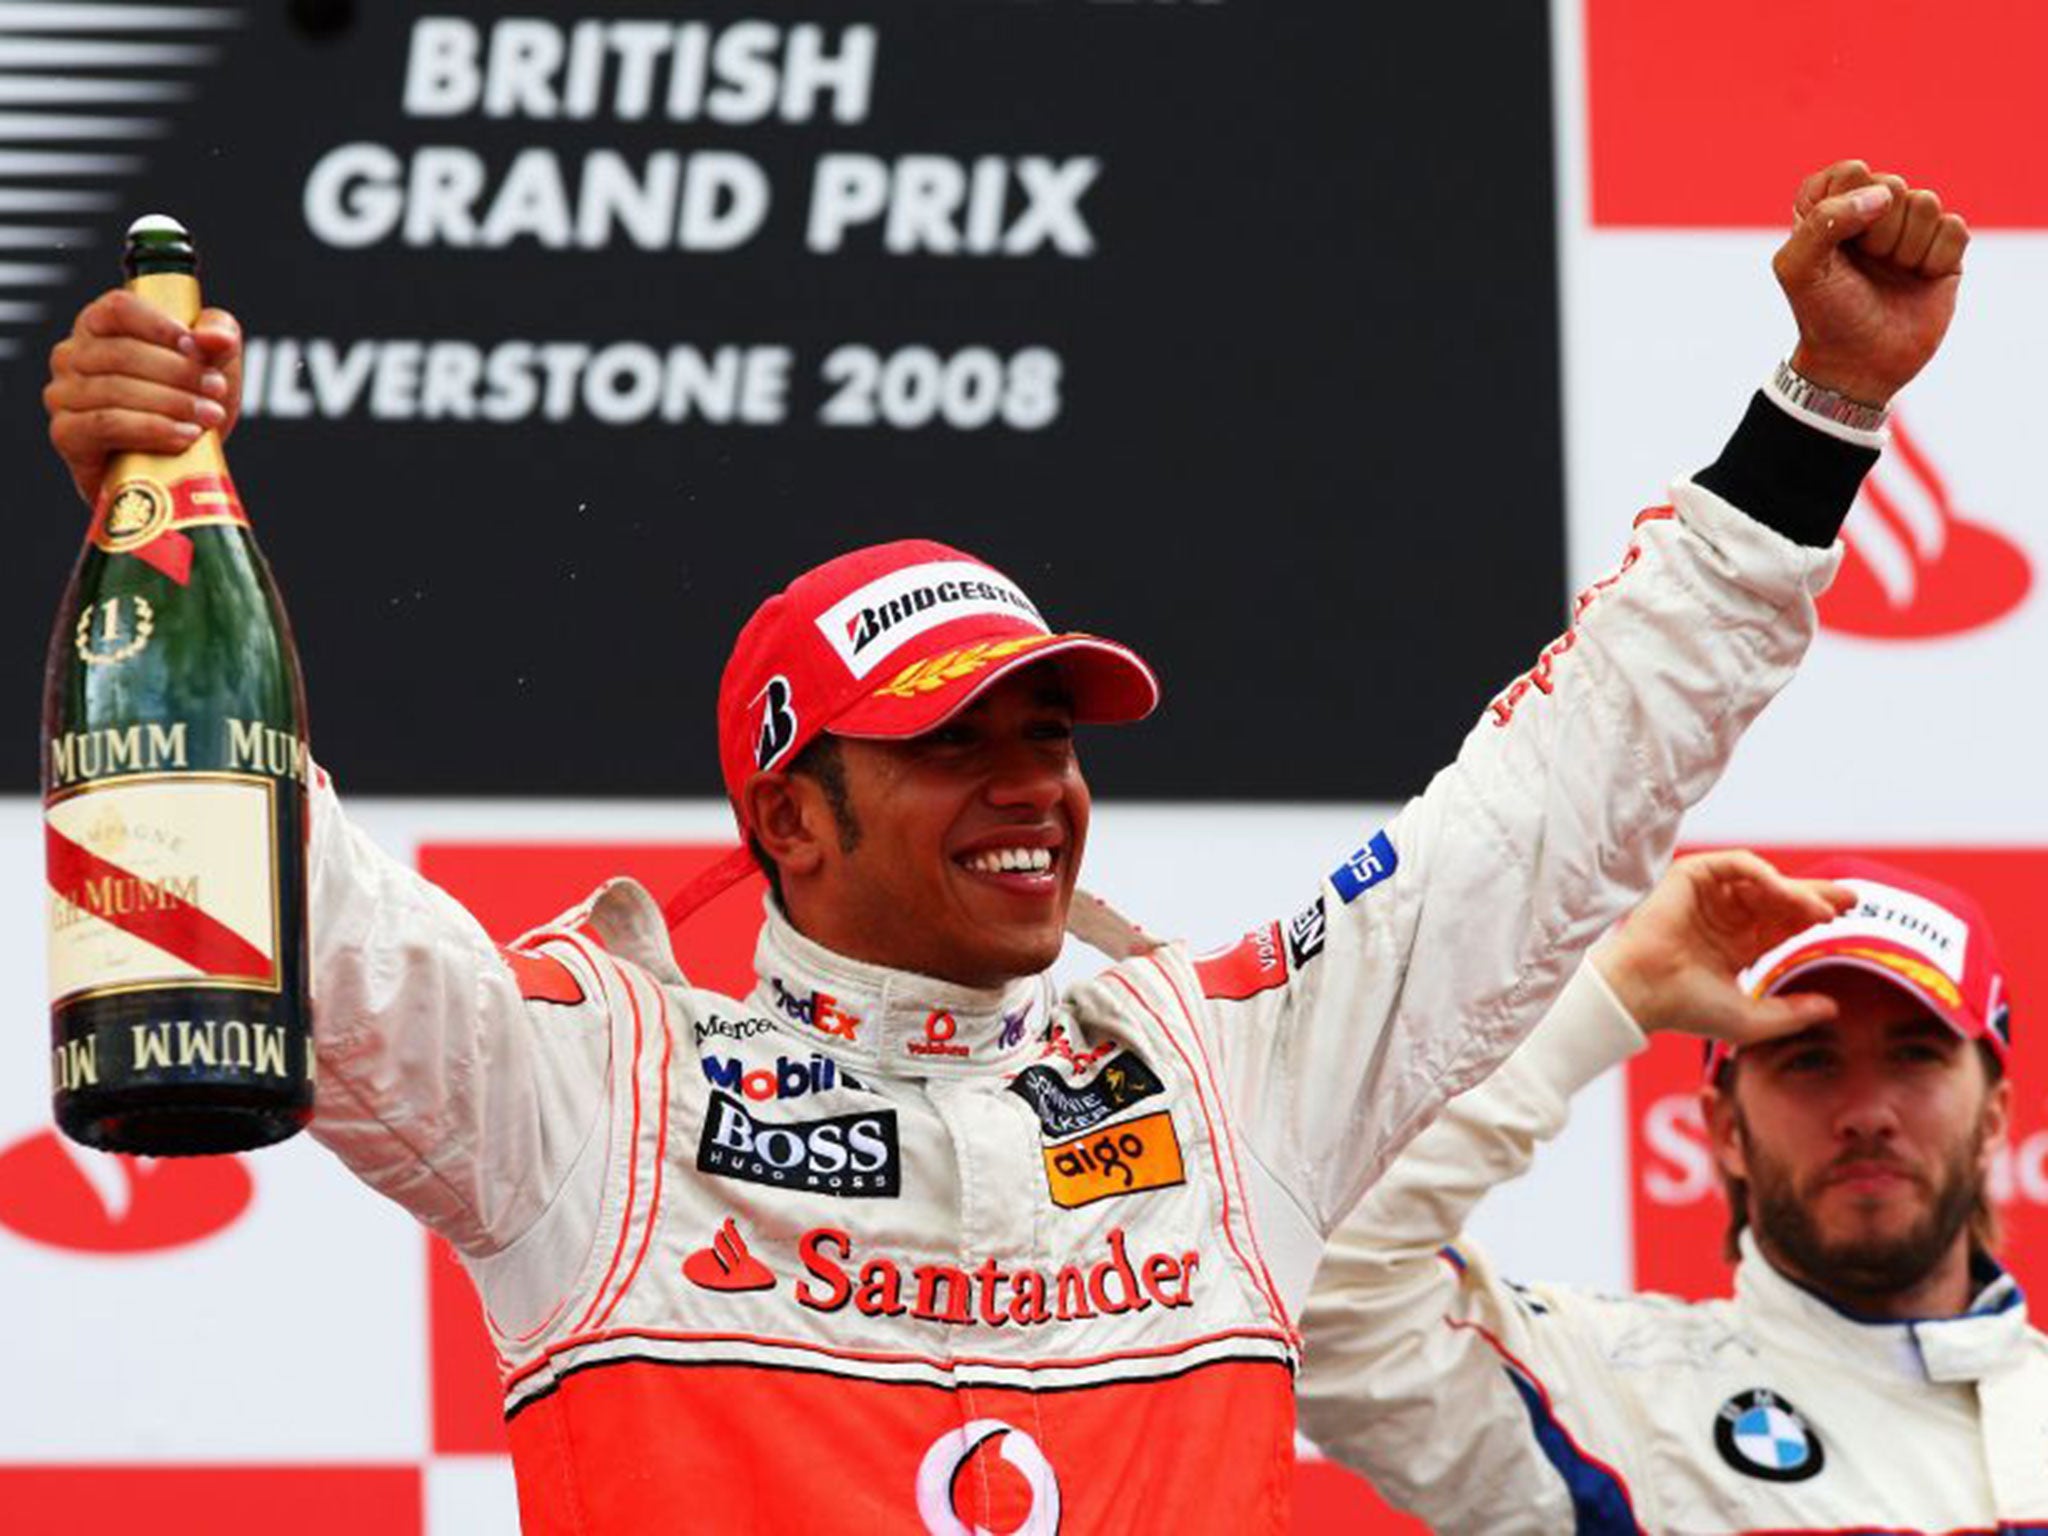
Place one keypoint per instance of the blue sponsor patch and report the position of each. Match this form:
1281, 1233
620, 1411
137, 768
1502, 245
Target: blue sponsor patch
1365, 868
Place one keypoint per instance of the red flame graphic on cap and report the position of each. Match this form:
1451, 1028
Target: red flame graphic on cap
1915, 568
92, 1202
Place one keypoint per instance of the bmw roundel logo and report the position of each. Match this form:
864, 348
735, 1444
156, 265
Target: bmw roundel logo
1761, 1435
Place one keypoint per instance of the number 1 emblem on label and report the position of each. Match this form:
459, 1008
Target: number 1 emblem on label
114, 630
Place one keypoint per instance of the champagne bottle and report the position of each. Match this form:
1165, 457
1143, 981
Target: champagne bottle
175, 811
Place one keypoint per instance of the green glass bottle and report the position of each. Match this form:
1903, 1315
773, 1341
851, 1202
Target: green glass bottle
175, 811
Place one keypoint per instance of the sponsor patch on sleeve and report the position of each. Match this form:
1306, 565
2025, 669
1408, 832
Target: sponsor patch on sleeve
1306, 931
1256, 963
1365, 868
542, 978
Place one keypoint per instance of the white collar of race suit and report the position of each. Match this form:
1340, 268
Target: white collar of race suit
628, 922
1992, 1335
898, 1023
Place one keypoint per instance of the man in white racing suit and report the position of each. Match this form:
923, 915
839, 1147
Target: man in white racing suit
1874, 1370
904, 1240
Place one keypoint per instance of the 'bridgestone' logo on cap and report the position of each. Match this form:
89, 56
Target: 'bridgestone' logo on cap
868, 625
1885, 913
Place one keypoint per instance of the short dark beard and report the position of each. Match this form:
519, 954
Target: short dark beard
1871, 1269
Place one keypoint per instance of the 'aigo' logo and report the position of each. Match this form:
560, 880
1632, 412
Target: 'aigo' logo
92, 1202
1916, 568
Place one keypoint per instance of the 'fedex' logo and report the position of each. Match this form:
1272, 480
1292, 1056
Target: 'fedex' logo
820, 1010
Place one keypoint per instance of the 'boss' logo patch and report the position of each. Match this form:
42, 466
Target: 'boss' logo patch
1120, 1159
850, 1157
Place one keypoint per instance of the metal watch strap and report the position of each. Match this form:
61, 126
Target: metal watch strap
1826, 403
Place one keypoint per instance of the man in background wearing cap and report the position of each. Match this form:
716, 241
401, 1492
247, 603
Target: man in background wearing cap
1875, 1368
904, 1238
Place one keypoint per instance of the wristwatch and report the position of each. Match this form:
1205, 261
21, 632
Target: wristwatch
1803, 393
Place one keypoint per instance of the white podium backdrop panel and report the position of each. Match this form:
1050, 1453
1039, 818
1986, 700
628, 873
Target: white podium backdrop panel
1913, 721
1683, 133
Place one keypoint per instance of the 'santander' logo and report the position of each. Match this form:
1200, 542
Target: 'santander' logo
1917, 569
117, 1205
989, 1293
728, 1264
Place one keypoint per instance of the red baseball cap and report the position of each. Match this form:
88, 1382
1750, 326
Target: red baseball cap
885, 643
1923, 937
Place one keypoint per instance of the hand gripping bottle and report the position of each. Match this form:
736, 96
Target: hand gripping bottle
175, 811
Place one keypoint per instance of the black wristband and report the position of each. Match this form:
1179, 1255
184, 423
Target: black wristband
1794, 478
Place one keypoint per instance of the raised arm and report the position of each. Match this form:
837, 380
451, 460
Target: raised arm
449, 1069
1422, 1362
441, 1062
1427, 954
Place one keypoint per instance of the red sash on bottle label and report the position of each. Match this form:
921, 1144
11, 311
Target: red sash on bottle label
171, 923
142, 517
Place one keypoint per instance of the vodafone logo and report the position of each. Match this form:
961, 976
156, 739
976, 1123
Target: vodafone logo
1917, 569
939, 1029
89, 1202
987, 1469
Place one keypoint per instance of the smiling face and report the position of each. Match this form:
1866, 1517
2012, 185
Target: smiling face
967, 842
1862, 1147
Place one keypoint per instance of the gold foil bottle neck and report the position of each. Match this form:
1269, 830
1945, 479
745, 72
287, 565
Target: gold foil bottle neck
177, 295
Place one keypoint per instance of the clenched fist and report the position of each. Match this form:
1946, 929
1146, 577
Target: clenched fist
1871, 269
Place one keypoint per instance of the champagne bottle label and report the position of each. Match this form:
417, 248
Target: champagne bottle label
142, 516
163, 880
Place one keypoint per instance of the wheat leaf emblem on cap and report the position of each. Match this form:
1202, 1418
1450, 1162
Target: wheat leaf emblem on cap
935, 672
